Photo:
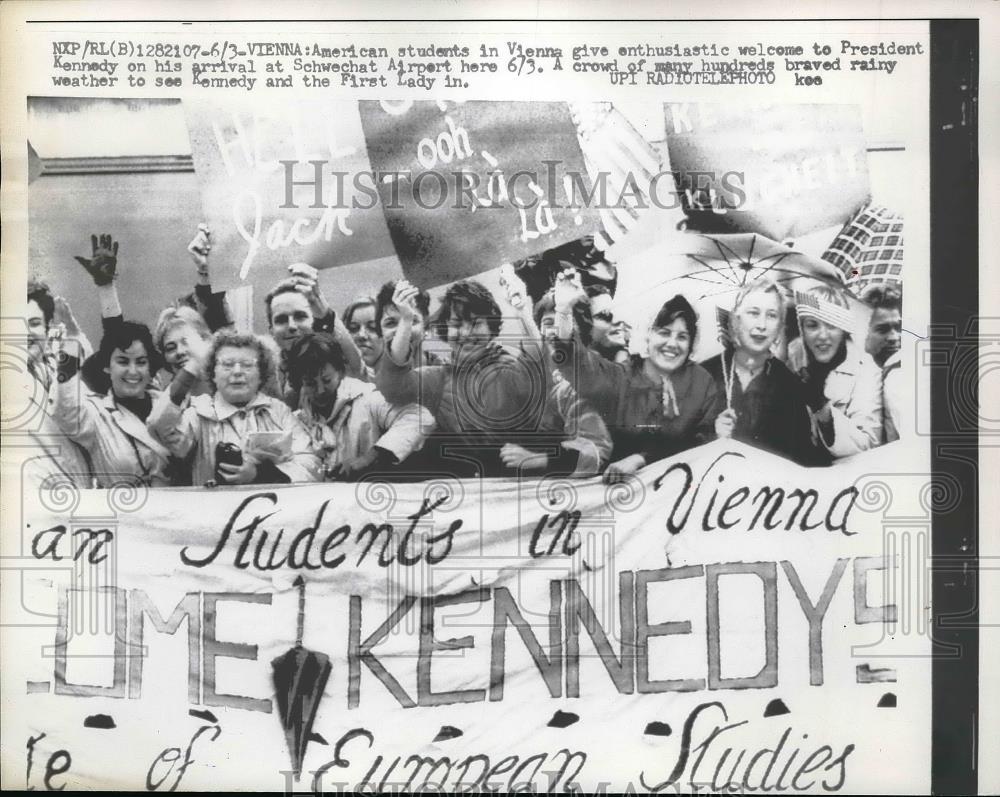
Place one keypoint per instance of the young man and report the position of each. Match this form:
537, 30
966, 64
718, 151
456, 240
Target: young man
295, 307
884, 339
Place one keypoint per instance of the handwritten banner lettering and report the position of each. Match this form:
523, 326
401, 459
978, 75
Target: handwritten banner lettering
701, 627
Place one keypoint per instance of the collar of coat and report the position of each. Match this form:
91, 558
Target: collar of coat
349, 391
216, 408
132, 425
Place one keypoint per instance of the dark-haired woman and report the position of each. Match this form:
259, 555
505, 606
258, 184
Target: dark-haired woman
111, 424
109, 418
488, 396
656, 405
354, 430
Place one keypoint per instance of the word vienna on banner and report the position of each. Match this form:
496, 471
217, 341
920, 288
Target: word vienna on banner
457, 180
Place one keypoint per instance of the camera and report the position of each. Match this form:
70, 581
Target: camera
228, 454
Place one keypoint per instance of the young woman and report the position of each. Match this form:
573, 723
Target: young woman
656, 405
390, 296
236, 434
354, 430
109, 419
486, 397
765, 403
362, 325
51, 325
843, 384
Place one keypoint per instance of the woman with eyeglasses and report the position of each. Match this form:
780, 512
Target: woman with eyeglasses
236, 434
656, 405
765, 403
843, 384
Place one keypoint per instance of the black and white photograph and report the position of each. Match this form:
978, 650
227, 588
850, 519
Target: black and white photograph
493, 404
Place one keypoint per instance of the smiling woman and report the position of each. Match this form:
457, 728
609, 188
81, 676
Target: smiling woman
236, 434
766, 404
654, 406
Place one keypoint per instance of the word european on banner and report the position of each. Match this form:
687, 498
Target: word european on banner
621, 609
438, 242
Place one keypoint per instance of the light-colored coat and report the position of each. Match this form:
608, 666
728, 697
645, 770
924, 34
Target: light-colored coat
196, 429
59, 460
854, 389
361, 418
120, 445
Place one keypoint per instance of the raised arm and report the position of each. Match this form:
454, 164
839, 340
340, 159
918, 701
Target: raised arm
216, 313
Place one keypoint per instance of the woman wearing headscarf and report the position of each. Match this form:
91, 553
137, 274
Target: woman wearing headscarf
843, 384
765, 403
655, 405
237, 434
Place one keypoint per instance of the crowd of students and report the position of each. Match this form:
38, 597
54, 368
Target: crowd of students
328, 396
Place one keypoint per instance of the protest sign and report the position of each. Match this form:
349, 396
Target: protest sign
277, 184
779, 170
469, 634
468, 186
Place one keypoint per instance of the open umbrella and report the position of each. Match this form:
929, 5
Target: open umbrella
869, 248
300, 676
710, 270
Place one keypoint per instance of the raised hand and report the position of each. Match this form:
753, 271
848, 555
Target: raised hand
103, 263
199, 248
568, 290
405, 299
516, 290
306, 281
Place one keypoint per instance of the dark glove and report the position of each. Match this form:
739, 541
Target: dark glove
103, 264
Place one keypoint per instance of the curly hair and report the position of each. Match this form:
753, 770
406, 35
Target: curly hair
119, 337
384, 299
880, 297
761, 285
39, 292
468, 300
174, 317
266, 361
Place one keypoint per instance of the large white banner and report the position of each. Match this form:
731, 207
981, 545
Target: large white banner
718, 622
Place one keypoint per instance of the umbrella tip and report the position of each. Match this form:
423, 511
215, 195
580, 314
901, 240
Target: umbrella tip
299, 582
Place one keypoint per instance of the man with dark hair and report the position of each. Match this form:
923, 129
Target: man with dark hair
296, 306
885, 334
886, 326
486, 397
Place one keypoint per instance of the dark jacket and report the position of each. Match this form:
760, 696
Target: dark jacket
632, 404
772, 413
496, 397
